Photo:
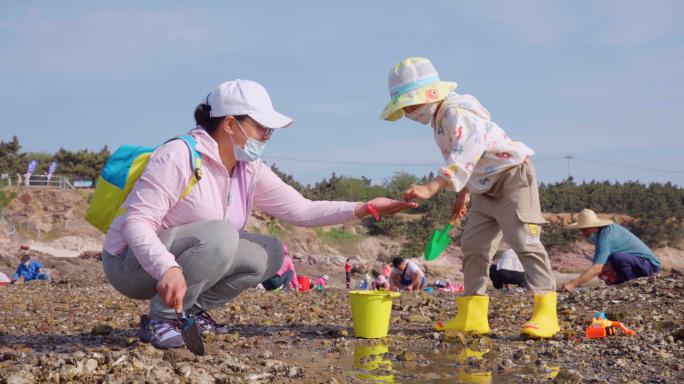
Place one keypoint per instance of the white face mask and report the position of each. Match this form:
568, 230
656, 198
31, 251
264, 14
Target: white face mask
253, 148
27, 263
423, 114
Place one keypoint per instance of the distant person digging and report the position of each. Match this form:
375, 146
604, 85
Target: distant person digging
284, 277
4, 279
31, 270
406, 275
320, 282
617, 250
508, 271
381, 282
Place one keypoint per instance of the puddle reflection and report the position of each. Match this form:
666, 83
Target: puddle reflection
457, 365
464, 375
368, 358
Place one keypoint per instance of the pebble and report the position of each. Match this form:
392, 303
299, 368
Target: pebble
101, 330
453, 336
45, 337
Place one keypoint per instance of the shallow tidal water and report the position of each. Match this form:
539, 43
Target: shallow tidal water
458, 365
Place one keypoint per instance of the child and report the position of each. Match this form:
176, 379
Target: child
381, 282
481, 159
320, 282
368, 282
347, 269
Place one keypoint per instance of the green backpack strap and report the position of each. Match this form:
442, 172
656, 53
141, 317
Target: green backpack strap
195, 162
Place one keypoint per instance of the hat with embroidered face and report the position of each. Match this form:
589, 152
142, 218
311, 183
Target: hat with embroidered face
414, 81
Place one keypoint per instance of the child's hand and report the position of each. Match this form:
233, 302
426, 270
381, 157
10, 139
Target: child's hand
418, 192
459, 206
425, 191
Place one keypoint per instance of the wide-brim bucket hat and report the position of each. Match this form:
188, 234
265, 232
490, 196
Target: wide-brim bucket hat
588, 219
414, 81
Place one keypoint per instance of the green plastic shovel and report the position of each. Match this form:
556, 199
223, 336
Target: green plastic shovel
439, 241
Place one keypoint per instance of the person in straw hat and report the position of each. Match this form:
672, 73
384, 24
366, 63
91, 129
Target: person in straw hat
479, 159
616, 248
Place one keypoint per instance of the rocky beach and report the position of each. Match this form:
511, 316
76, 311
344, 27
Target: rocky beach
78, 329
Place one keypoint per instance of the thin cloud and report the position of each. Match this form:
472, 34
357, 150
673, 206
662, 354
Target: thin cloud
105, 41
636, 23
540, 23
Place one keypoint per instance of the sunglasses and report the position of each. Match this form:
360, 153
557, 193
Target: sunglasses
267, 131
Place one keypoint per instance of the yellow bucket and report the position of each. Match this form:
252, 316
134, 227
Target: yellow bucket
371, 312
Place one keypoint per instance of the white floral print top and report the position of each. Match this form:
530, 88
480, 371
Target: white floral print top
476, 150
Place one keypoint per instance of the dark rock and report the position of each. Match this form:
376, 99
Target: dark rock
568, 333
180, 354
568, 376
453, 336
665, 325
617, 316
679, 335
407, 356
101, 330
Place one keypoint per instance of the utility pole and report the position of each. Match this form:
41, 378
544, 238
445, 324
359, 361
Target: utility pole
569, 166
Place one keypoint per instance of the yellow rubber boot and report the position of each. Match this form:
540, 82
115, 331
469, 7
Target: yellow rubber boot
471, 318
544, 321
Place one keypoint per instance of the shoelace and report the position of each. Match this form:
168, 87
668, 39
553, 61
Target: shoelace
204, 318
160, 328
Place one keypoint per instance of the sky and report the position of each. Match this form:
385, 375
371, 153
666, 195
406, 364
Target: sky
601, 81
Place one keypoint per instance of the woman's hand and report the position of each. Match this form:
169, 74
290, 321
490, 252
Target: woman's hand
383, 206
171, 287
460, 205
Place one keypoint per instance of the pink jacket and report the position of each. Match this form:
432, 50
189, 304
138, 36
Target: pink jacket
288, 265
381, 281
320, 281
153, 203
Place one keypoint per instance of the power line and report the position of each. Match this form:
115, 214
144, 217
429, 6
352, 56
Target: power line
627, 166
348, 162
383, 164
439, 165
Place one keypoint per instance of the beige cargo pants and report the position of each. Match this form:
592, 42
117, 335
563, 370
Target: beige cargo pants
511, 208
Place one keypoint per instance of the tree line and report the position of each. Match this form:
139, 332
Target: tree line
658, 208
83, 163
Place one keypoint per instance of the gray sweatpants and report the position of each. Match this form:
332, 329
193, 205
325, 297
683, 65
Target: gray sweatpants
217, 265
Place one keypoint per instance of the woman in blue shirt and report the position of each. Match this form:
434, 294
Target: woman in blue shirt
629, 256
31, 270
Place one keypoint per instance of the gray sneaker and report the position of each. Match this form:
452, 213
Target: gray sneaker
206, 323
161, 334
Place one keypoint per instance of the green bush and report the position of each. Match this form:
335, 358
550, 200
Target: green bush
391, 226
556, 237
6, 197
79, 163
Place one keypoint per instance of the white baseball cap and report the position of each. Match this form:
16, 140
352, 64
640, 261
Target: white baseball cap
245, 97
